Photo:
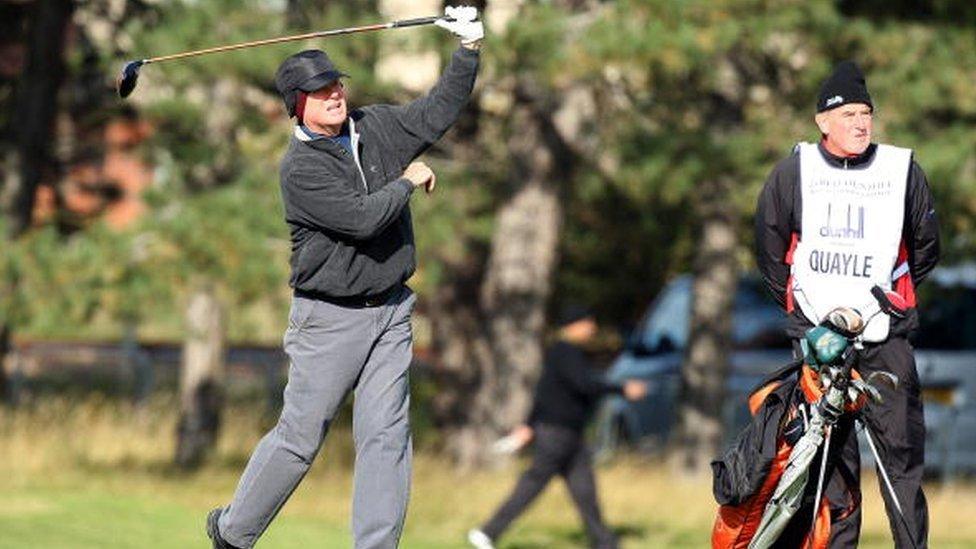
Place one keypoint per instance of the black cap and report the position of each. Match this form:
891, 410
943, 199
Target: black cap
845, 85
307, 71
572, 312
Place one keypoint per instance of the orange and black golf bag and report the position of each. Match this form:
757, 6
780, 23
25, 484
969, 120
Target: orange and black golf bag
763, 484
753, 467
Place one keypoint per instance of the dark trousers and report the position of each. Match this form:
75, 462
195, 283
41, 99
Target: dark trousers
898, 429
558, 451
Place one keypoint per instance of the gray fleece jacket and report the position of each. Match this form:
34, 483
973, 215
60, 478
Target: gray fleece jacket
349, 214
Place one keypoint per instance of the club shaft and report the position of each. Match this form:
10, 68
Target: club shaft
292, 38
887, 481
820, 481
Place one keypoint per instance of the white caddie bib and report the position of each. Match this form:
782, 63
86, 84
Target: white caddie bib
852, 230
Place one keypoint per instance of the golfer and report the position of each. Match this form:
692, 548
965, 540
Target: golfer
346, 182
565, 398
834, 219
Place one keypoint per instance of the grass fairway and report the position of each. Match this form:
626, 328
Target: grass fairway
96, 475
98, 518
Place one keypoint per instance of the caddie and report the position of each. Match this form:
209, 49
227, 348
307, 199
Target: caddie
834, 219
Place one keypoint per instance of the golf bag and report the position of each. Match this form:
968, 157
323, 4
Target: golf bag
762, 482
749, 473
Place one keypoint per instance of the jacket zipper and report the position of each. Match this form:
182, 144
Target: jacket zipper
354, 141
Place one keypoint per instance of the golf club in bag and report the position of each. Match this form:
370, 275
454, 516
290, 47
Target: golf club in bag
129, 75
762, 481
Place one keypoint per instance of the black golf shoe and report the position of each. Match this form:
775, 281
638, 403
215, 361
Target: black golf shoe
214, 533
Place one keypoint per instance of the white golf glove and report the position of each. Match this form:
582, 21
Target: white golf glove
464, 25
514, 441
506, 445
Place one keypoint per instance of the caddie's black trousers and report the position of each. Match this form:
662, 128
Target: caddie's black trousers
558, 451
898, 428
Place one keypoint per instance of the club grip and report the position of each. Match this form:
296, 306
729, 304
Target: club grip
417, 22
879, 294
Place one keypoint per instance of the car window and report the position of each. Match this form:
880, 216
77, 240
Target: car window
665, 328
947, 317
757, 323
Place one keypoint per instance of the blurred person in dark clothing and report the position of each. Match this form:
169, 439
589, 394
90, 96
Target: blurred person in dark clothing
565, 399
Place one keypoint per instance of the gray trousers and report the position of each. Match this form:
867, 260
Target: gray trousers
335, 350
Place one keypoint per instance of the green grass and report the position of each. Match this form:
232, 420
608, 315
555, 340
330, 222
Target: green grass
96, 518
96, 474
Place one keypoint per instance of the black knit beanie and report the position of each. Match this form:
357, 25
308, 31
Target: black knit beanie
845, 85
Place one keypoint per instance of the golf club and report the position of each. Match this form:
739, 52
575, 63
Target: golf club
887, 481
126, 81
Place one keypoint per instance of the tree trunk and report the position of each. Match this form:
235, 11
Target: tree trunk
296, 14
35, 105
489, 324
489, 317
33, 111
706, 365
494, 350
516, 289
200, 378
5, 388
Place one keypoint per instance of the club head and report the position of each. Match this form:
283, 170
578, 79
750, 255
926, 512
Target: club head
127, 79
859, 387
883, 378
846, 321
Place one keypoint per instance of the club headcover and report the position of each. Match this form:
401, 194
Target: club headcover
825, 346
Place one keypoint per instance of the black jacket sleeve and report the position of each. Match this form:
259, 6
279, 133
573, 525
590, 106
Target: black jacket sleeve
417, 125
774, 226
316, 199
584, 379
921, 229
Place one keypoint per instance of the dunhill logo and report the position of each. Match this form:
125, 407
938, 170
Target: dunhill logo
849, 230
